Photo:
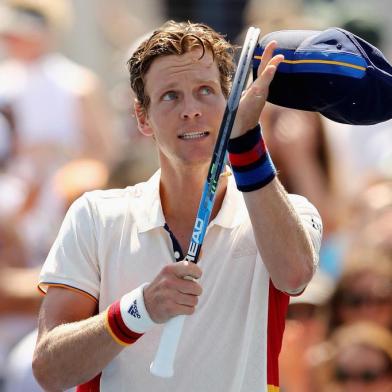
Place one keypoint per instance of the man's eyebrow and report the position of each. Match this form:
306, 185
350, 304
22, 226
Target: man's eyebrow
173, 85
165, 88
200, 81
208, 81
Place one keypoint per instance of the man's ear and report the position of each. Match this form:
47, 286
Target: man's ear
142, 119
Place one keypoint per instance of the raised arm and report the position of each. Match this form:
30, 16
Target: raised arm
281, 237
283, 242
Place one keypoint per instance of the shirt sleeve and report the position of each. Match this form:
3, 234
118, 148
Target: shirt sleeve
72, 261
311, 219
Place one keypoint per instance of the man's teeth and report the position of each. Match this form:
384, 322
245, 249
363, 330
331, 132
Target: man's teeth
193, 135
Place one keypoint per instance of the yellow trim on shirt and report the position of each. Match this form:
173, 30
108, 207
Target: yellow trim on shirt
272, 388
64, 286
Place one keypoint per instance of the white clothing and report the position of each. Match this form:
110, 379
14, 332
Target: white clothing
44, 97
44, 100
362, 153
113, 241
19, 373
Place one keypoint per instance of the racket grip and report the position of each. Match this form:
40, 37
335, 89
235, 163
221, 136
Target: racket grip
162, 366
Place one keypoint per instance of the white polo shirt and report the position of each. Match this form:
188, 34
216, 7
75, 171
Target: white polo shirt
113, 241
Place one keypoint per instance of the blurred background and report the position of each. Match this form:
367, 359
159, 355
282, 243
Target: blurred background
67, 127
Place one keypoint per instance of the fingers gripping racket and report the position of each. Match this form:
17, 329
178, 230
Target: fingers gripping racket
163, 363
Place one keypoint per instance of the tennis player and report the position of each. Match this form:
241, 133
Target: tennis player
115, 273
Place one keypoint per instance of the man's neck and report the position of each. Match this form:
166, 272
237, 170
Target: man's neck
180, 192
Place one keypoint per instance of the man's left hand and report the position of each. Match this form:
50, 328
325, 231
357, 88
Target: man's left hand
254, 97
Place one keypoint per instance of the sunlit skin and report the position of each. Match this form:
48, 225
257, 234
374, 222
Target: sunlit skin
356, 359
185, 98
184, 115
186, 95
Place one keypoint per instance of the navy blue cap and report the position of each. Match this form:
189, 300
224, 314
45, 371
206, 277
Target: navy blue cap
333, 72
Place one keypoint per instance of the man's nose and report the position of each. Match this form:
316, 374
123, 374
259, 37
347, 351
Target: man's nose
191, 108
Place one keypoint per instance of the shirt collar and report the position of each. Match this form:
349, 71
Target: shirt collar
150, 216
232, 213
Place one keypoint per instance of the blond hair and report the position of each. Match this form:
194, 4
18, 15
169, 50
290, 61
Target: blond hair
177, 38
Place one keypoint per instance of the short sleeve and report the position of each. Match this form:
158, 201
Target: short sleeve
72, 261
311, 219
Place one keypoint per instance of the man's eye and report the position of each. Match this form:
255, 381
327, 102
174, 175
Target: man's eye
205, 90
169, 96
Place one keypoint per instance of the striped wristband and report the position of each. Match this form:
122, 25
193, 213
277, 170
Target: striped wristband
127, 320
251, 163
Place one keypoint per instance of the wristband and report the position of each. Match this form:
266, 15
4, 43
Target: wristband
251, 163
127, 319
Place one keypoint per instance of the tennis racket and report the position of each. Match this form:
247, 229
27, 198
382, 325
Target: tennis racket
162, 365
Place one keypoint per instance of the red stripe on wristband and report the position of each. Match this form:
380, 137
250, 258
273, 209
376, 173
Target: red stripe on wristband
248, 157
117, 326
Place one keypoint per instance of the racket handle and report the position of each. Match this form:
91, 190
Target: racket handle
162, 366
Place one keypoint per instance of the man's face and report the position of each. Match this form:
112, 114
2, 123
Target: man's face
186, 107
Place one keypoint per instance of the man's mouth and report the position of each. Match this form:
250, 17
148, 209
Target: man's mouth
193, 135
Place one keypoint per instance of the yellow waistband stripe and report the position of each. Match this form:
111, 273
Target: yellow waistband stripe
272, 388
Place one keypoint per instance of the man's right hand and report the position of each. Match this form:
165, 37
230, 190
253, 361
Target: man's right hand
174, 291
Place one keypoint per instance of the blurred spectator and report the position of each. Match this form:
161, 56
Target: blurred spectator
273, 15
362, 293
57, 108
18, 287
363, 153
52, 111
371, 217
364, 290
305, 327
357, 358
298, 144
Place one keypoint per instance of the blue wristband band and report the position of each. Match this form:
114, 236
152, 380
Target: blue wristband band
251, 163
